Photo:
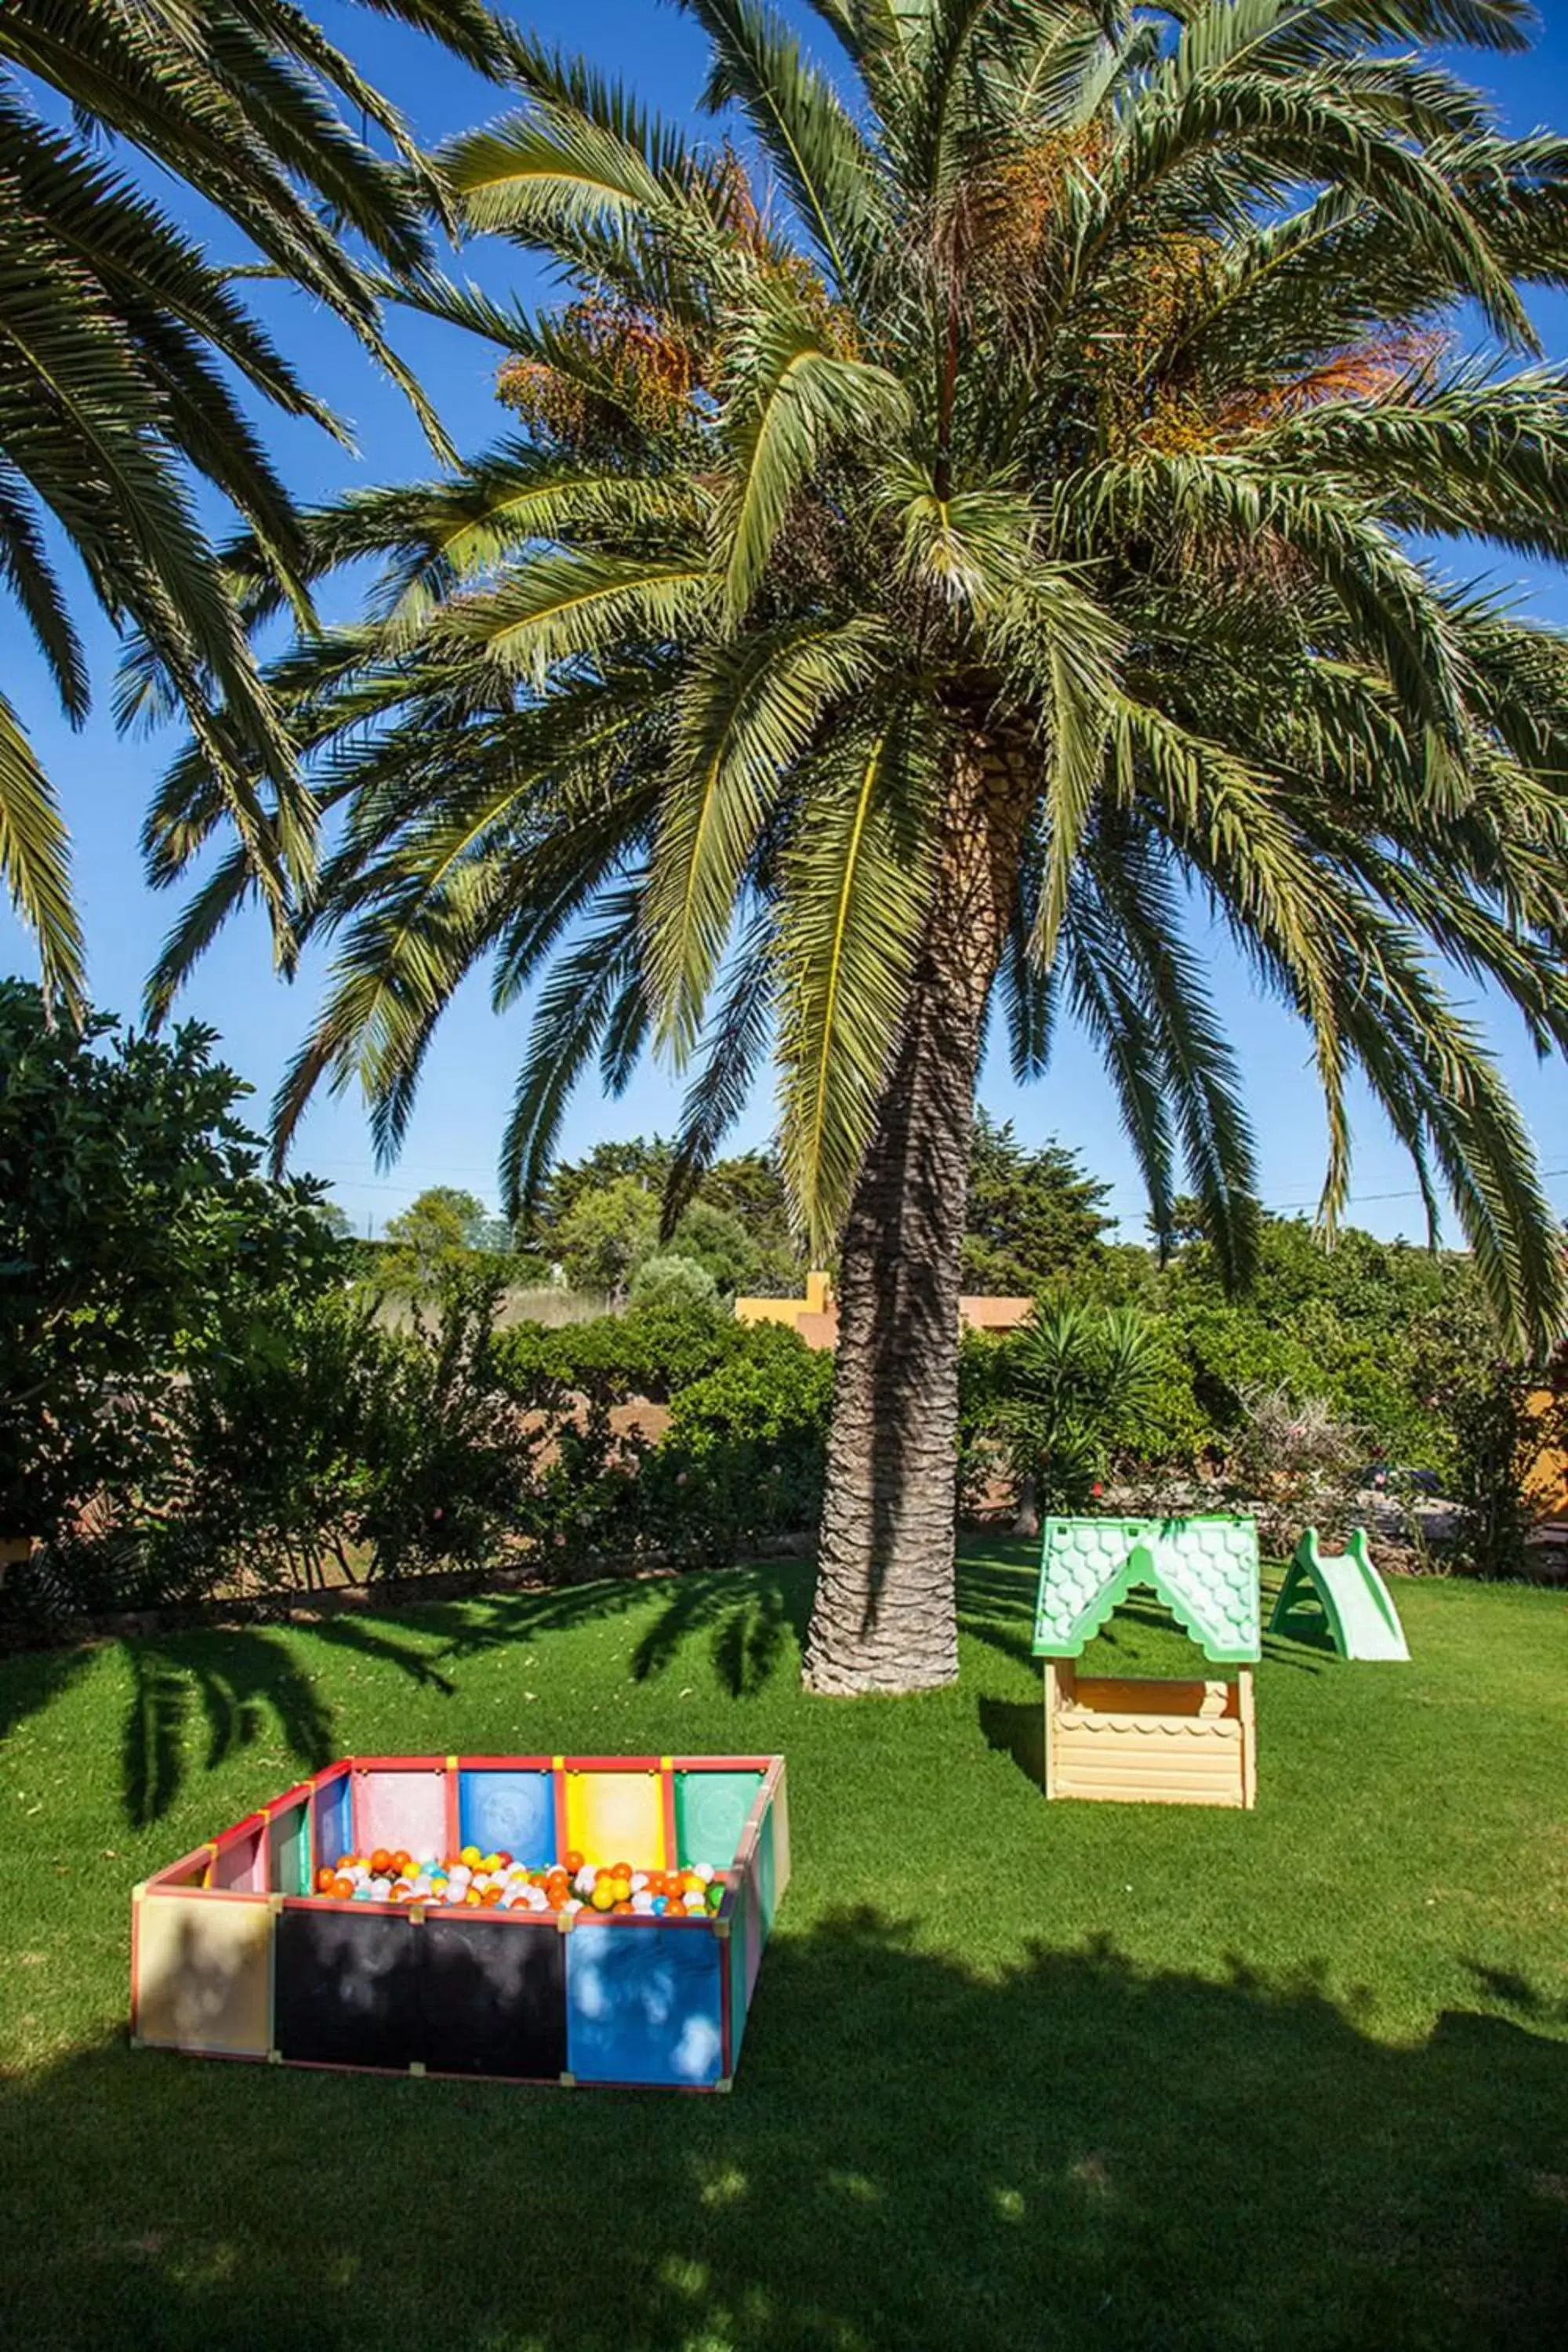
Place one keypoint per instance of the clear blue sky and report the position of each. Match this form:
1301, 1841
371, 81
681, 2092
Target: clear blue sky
105, 782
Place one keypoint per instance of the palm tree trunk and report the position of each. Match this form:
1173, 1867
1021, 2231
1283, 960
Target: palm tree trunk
885, 1616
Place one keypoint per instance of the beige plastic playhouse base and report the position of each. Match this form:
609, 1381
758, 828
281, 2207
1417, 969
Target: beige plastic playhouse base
1151, 1743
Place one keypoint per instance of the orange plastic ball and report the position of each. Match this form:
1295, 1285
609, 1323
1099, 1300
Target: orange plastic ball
344, 1889
324, 1881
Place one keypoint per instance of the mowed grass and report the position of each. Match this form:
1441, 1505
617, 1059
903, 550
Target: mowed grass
1018, 2074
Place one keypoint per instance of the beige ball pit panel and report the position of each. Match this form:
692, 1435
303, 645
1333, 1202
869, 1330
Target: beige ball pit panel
204, 1974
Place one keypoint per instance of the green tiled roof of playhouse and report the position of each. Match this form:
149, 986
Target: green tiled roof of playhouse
1205, 1571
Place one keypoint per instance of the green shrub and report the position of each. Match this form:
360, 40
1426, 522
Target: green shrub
672, 1280
138, 1241
650, 1351
746, 1453
1499, 1443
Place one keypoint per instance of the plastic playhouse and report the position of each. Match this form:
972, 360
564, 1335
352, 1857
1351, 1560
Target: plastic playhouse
1147, 1741
277, 1941
1342, 1593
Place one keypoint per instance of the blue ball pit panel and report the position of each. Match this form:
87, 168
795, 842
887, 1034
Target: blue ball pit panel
710, 1811
735, 1961
334, 1825
508, 1813
645, 2005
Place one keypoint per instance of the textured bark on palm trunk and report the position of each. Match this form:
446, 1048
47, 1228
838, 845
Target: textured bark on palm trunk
885, 1616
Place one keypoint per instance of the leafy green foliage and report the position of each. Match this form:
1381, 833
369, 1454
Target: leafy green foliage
138, 1243
674, 1280
327, 1450
653, 1350
443, 1230
605, 1235
1033, 1215
1507, 1420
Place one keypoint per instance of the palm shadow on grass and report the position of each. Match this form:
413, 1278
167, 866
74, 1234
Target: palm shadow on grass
1072, 2152
227, 1685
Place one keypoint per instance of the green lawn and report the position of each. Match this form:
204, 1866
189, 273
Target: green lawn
1018, 2074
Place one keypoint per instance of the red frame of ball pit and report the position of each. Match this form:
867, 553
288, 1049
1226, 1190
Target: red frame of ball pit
745, 1911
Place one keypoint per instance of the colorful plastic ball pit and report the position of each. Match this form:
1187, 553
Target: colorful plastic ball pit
572, 1919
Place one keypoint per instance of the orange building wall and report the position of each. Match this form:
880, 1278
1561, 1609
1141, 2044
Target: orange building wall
815, 1316
1547, 1486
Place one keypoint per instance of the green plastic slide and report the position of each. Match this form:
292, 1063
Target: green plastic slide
1346, 1592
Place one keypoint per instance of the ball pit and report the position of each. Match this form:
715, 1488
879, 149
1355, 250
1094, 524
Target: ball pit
473, 1880
569, 1919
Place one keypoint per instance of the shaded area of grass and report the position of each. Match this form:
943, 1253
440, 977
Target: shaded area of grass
1017, 2074
1070, 2151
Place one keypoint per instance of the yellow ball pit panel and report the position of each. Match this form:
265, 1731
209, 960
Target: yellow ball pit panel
616, 1817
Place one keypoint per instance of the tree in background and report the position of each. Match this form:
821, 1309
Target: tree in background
1032, 1215
137, 1239
120, 344
606, 1233
441, 1227
946, 573
646, 1163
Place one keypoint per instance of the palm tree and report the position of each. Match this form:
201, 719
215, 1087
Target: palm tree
944, 583
116, 332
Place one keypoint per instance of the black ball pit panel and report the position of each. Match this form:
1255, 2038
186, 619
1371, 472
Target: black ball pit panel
493, 1996
346, 1988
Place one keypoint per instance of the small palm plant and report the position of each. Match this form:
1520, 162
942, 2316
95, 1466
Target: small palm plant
1075, 1384
935, 578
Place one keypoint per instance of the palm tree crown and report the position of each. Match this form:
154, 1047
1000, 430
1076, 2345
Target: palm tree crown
116, 330
1043, 457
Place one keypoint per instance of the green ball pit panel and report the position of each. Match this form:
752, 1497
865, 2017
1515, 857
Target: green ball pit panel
710, 1811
